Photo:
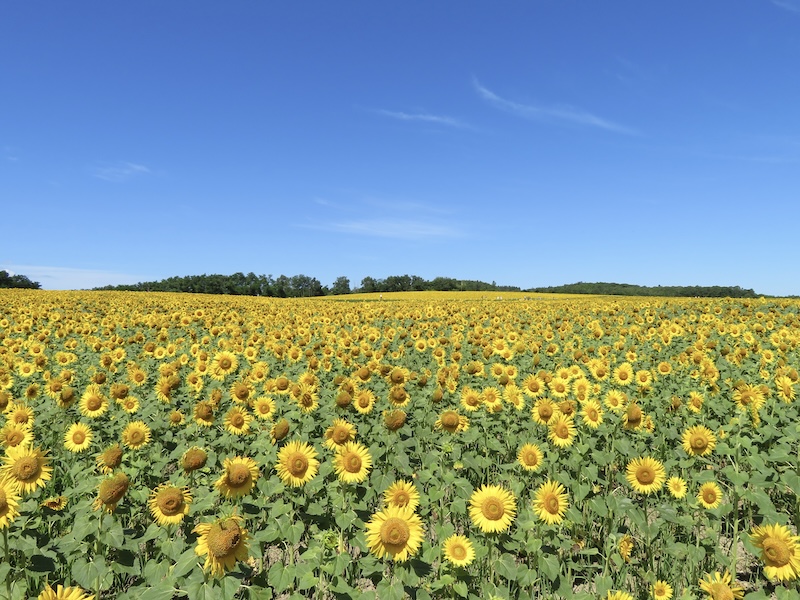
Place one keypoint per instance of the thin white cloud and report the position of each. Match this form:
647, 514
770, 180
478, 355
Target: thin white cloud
69, 278
425, 117
121, 171
790, 5
567, 114
405, 229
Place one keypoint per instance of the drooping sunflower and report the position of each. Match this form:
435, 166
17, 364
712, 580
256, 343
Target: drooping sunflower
709, 495
78, 437
223, 364
193, 459
544, 409
307, 397
633, 417
625, 546
223, 543
394, 419
492, 508
780, 551
784, 387
136, 435
719, 587
458, 550
203, 413
661, 590
9, 501
93, 403
279, 431
699, 440
237, 420
352, 462
55, 503
28, 467
109, 459
264, 407
339, 433
64, 593
646, 475
562, 430
401, 494
239, 476
451, 421
111, 491
395, 532
677, 487
592, 413
297, 463
530, 457
551, 502
169, 504
13, 435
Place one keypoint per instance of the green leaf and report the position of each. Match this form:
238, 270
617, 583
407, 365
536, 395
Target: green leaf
550, 566
506, 567
185, 563
460, 588
280, 577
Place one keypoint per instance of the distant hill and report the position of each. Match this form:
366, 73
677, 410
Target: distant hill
626, 289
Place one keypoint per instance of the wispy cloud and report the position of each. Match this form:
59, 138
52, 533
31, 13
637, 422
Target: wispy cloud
121, 171
790, 5
70, 278
564, 114
403, 229
424, 117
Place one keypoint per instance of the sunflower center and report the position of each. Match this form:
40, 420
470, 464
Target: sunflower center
561, 430
194, 459
112, 490
14, 438
298, 464
551, 504
238, 475
401, 498
306, 400
450, 419
281, 429
78, 438
282, 384
242, 393
545, 412
204, 411
112, 457
94, 403
136, 436
710, 496
223, 539
592, 414
699, 442
363, 401
777, 552
340, 434
395, 532
3, 502
530, 458
237, 420
492, 509
352, 463
645, 475
458, 552
26, 468
170, 501
225, 363
634, 415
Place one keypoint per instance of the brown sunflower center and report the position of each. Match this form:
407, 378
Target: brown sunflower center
645, 475
26, 469
14, 437
721, 591
545, 412
78, 437
237, 419
634, 415
242, 392
395, 532
112, 457
710, 495
170, 501
281, 429
112, 490
450, 419
238, 475
194, 459
364, 401
3, 502
297, 464
136, 436
561, 431
282, 383
530, 458
591, 413
551, 504
225, 363
458, 552
223, 539
94, 403
352, 463
204, 411
698, 442
776, 552
401, 498
306, 400
492, 509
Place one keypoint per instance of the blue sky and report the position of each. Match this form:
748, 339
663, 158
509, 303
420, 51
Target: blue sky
530, 143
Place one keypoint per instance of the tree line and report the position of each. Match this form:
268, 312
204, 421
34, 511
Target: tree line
17, 281
626, 289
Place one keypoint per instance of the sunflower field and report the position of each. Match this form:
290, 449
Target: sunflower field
160, 446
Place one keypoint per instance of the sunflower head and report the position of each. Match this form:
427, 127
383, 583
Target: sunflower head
193, 459
111, 491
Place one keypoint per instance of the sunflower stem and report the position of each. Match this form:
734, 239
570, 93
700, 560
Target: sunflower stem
97, 551
7, 559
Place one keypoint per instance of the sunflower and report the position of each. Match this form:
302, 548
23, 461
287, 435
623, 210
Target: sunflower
401, 494
780, 551
695, 403
785, 388
223, 543
111, 491
514, 396
352, 462
307, 398
279, 431
699, 440
204, 413
615, 400
239, 477
749, 397
677, 487
193, 459
646, 475
544, 410
394, 419
562, 430
241, 392
492, 508
719, 587
625, 546
530, 457
364, 401
592, 413
710, 495
169, 504
661, 590
223, 364
64, 593
458, 550
28, 467
633, 418
617, 595
109, 459
237, 420
492, 399
339, 433
20, 414
55, 503
559, 387
78, 437
297, 463
176, 418
550, 502
396, 532
623, 374
533, 386
13, 435
136, 435
452, 422
93, 403
470, 399
9, 501
264, 407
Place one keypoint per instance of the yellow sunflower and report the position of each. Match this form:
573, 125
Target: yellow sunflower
710, 495
395, 532
633, 417
193, 459
264, 407
203, 413
625, 546
237, 421
646, 475
617, 595
401, 494
592, 413
111, 491
492, 508
394, 419
136, 435
544, 410
9, 501
530, 457
677, 487
109, 459
695, 403
699, 440
458, 550
470, 399
719, 587
550, 502
785, 388
661, 590
279, 431
28, 467
239, 477
615, 400
780, 551
352, 462
364, 401
64, 593
169, 504
451, 421
20, 414
223, 364
623, 374
562, 430
297, 463
223, 543
339, 433
56, 503
176, 418
93, 403
13, 435
78, 437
